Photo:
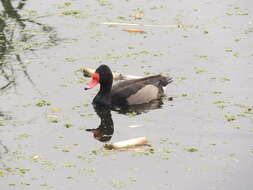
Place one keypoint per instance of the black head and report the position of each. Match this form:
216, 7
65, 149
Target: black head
102, 75
105, 74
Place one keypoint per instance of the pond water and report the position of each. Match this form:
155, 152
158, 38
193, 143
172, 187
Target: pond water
202, 139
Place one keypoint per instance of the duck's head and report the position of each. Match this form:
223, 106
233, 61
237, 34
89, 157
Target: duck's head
102, 75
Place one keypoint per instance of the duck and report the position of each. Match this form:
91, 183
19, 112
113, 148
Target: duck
128, 92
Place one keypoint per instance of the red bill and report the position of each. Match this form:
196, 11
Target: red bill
94, 82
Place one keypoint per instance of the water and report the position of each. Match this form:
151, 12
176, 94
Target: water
200, 140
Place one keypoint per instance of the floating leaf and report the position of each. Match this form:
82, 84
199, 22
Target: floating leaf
42, 103
138, 16
55, 109
229, 117
71, 12
219, 102
191, 149
68, 125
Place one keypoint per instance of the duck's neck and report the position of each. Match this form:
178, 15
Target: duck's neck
103, 97
104, 90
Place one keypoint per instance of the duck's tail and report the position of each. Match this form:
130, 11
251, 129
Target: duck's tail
166, 80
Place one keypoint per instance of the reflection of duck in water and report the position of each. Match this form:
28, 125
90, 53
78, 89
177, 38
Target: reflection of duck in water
105, 130
126, 93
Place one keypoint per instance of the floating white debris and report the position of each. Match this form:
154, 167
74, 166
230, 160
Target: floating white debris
134, 126
128, 143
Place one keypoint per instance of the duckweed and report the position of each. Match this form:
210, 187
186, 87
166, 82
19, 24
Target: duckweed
70, 12
68, 125
229, 117
219, 102
199, 71
191, 149
42, 103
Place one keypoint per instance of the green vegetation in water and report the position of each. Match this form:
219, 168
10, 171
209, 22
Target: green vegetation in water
182, 78
64, 5
100, 59
80, 80
132, 179
229, 117
164, 140
44, 184
31, 45
95, 152
199, 71
228, 50
156, 7
205, 32
229, 13
70, 177
35, 158
236, 54
217, 92
42, 103
55, 109
191, 149
222, 106
237, 39
54, 120
226, 27
219, 102
65, 150
85, 105
144, 52
184, 95
240, 13
233, 155
22, 136
104, 3
70, 59
2, 123
89, 171
23, 171
246, 112
68, 125
121, 18
2, 174
147, 73
225, 79
86, 115
144, 152
71, 13
118, 184
25, 183
70, 165
132, 114
167, 150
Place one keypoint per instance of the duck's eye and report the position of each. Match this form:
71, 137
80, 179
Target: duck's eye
95, 77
